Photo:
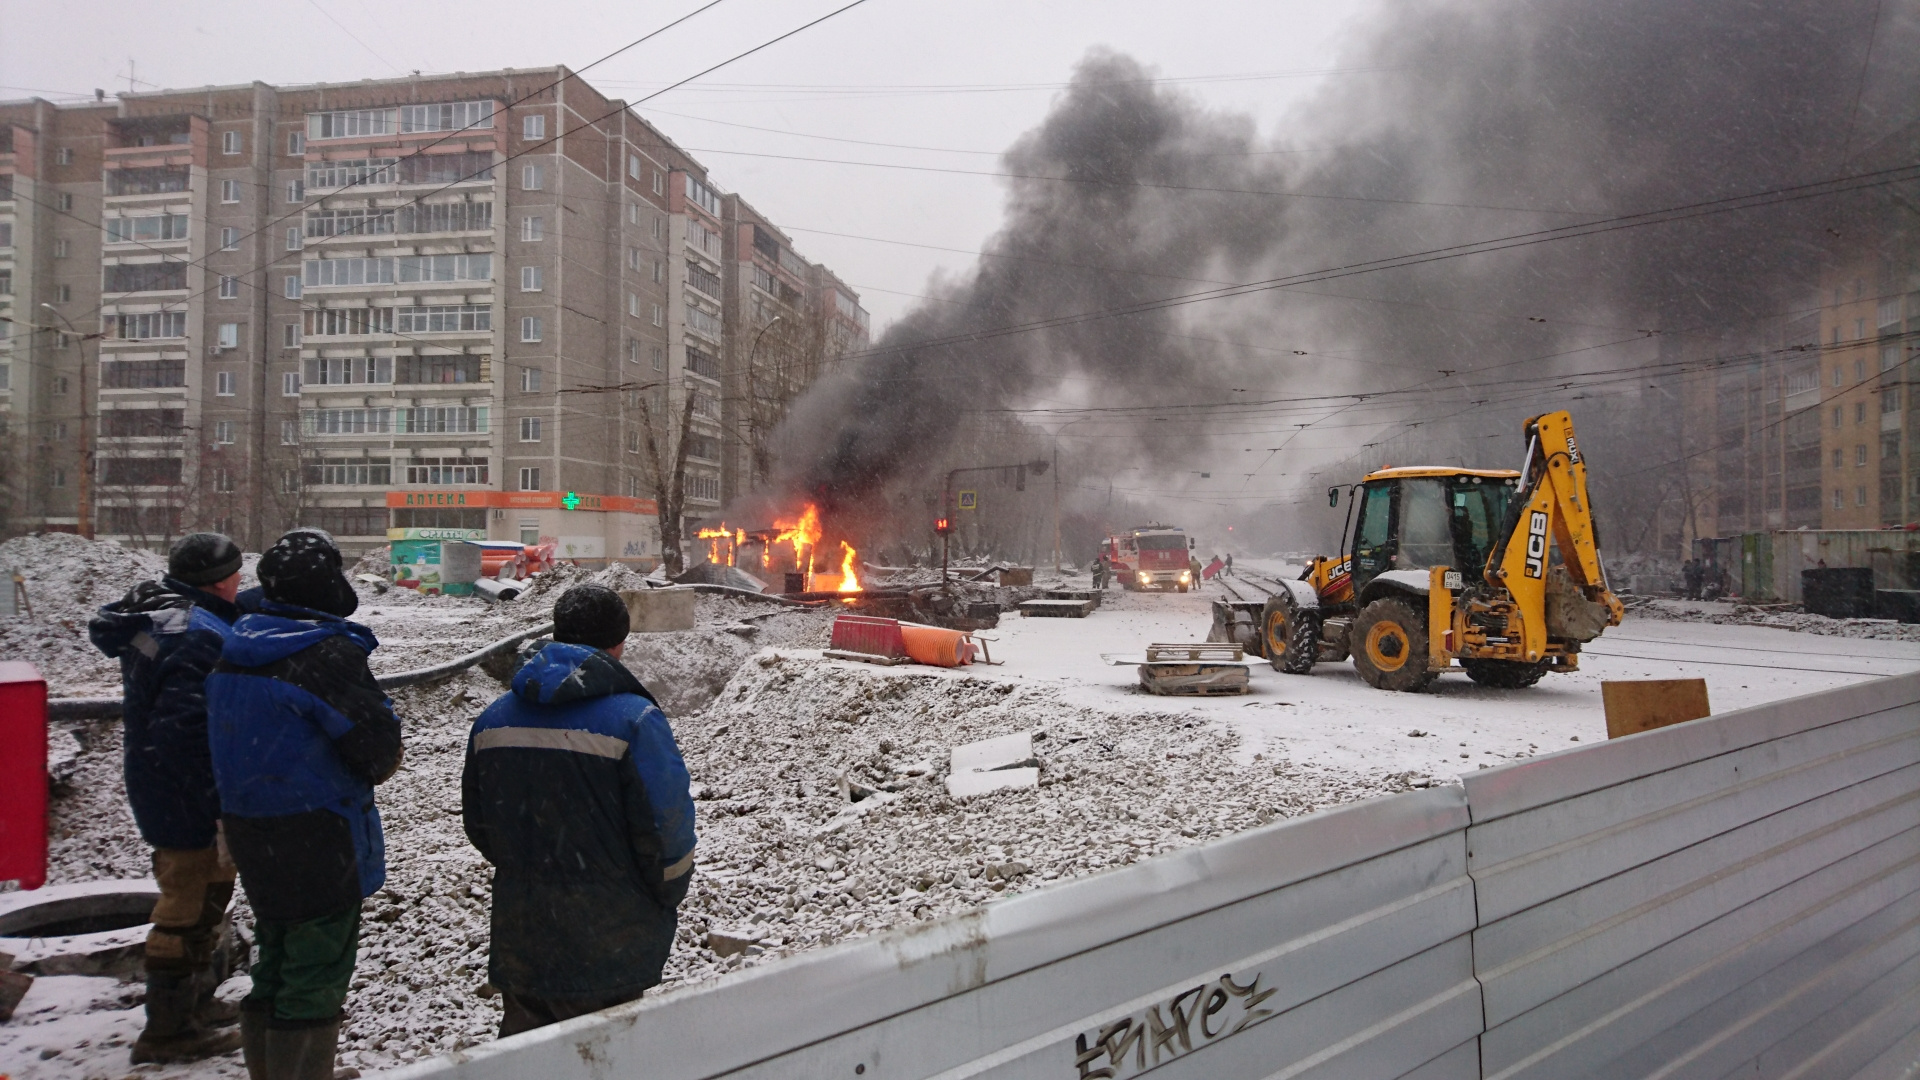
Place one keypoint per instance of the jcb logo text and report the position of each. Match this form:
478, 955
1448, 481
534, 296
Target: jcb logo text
1536, 544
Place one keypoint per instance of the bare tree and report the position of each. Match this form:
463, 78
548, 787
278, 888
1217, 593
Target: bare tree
665, 472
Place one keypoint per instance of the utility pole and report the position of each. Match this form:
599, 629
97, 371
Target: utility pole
1056, 504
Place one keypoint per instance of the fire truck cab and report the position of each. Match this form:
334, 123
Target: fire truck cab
1151, 557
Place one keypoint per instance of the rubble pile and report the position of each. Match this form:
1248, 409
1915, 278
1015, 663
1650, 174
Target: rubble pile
67, 579
1782, 617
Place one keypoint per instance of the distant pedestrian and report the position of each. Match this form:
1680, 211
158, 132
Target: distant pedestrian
1229, 570
167, 635
575, 791
1691, 575
1100, 572
301, 733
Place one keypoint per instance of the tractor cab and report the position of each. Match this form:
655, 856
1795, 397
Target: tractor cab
1419, 517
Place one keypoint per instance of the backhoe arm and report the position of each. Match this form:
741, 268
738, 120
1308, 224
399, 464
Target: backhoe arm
1558, 511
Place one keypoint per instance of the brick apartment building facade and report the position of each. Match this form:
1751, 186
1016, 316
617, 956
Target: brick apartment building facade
433, 302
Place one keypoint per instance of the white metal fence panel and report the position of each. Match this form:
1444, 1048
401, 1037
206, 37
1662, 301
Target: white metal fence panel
1735, 895
1332, 946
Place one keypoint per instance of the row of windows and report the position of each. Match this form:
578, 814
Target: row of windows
416, 169
404, 269
404, 120
420, 420
406, 370
402, 220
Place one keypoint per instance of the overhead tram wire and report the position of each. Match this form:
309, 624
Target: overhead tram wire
1668, 215
421, 149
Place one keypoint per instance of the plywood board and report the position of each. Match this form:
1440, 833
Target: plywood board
1640, 705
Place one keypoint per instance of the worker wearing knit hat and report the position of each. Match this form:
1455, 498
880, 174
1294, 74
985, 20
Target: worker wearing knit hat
203, 558
302, 569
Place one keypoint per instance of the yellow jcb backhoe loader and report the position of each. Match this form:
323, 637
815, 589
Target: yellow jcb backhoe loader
1499, 570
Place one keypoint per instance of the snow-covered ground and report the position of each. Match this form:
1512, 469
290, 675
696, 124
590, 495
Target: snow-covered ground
775, 735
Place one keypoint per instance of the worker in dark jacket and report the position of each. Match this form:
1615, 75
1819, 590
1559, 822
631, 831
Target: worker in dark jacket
167, 635
575, 791
301, 733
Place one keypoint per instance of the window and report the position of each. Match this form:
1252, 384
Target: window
60, 386
532, 228
633, 351
1859, 331
659, 271
229, 335
347, 370
659, 183
58, 478
659, 353
223, 381
361, 471
340, 322
529, 530
6, 234
530, 279
290, 336
447, 470
533, 127
1839, 499
1836, 376
1839, 458
229, 288
348, 123
63, 156
223, 432
294, 239
703, 279
1889, 316
703, 363
1860, 454
531, 177
461, 368
702, 321
229, 191
703, 239
346, 421
1859, 370
530, 328
633, 166
529, 481
633, 304
147, 325
145, 277
456, 116
148, 181
444, 268
62, 248
705, 488
659, 228
1859, 412
1860, 495
325, 272
296, 143
63, 294
289, 384
142, 423
146, 228
289, 433
530, 380
65, 202
529, 429
229, 142
659, 317
229, 239
289, 480
1889, 357
703, 196
1838, 412
446, 319
293, 286
296, 191
1889, 400
442, 420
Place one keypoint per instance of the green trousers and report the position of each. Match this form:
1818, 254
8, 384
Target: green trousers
304, 967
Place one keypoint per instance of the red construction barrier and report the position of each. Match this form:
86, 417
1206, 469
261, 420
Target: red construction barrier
23, 775
866, 634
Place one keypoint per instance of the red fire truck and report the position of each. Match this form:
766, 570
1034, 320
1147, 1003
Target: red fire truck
1151, 557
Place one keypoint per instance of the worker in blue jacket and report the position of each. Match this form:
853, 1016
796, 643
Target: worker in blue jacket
301, 733
575, 790
167, 635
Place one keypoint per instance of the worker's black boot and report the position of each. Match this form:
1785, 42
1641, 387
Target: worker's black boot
172, 1034
302, 1053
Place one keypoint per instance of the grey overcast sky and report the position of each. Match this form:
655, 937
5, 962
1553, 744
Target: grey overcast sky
948, 85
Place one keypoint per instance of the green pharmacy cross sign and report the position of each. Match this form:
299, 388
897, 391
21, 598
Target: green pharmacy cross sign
570, 501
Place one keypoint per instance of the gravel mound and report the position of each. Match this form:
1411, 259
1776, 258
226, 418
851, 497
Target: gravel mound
1778, 618
68, 578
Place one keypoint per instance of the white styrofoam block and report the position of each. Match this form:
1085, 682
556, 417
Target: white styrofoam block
961, 785
996, 753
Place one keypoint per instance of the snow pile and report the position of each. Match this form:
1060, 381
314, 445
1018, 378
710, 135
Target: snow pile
1730, 614
789, 859
68, 578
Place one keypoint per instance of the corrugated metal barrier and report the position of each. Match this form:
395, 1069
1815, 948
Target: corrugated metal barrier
1737, 896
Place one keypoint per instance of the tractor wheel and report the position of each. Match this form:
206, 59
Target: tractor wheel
1389, 642
1289, 634
1505, 674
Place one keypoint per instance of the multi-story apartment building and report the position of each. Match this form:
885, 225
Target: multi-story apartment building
458, 302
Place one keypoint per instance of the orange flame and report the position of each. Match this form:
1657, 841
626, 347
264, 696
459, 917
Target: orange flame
849, 582
802, 534
718, 536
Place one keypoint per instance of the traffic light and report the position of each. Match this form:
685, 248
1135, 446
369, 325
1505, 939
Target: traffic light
943, 526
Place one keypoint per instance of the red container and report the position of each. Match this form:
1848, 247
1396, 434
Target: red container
866, 634
23, 775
